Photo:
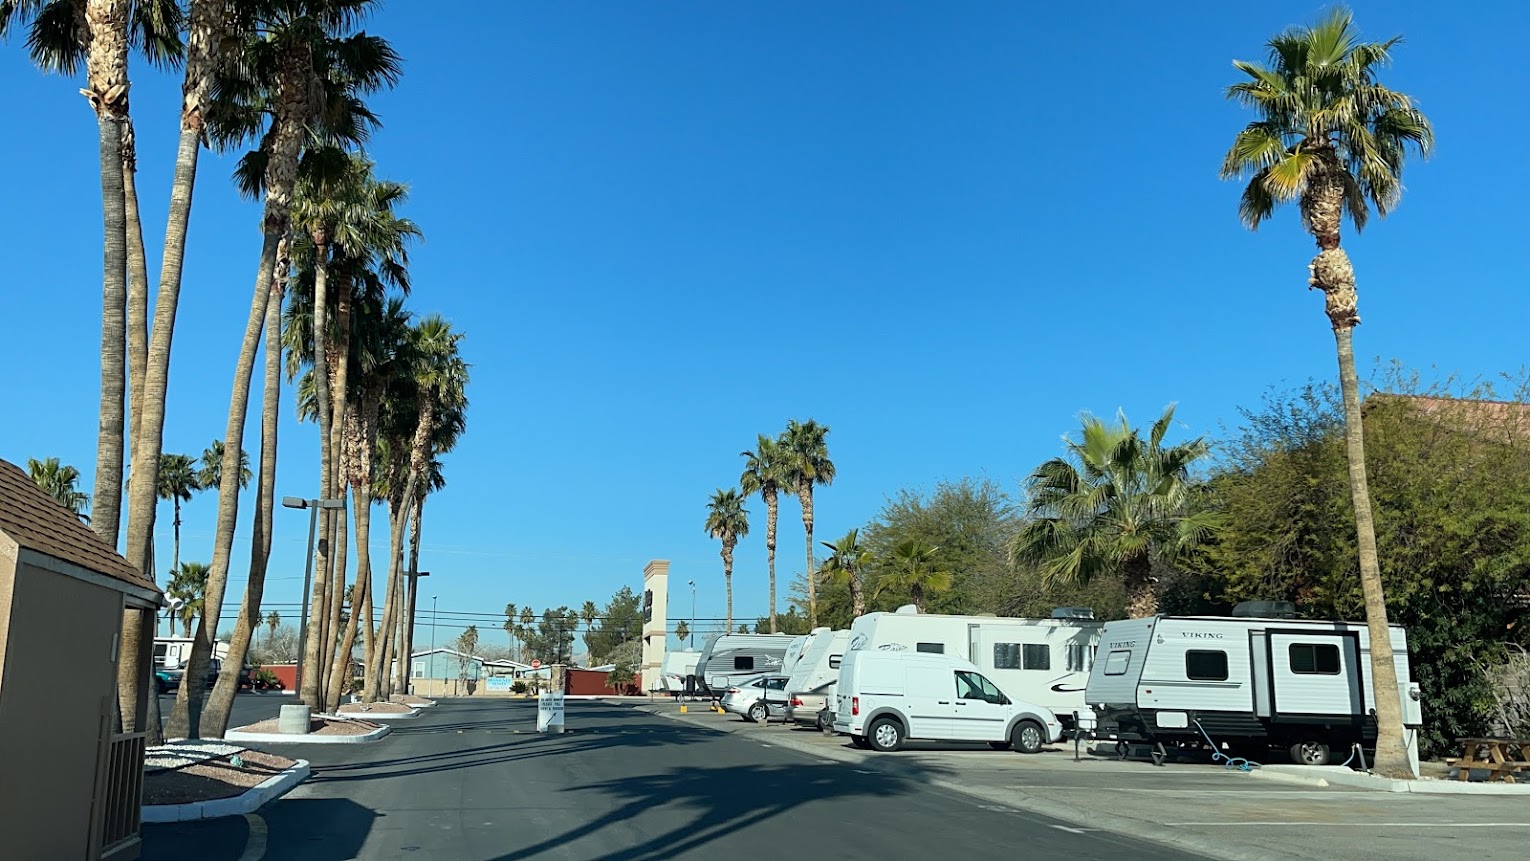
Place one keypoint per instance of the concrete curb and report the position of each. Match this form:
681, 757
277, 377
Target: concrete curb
376, 716
1139, 828
1265, 773
1335, 775
285, 738
253, 799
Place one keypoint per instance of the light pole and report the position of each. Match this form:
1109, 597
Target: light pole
432, 624
692, 631
313, 506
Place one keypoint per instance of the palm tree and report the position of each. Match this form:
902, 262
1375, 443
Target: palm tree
727, 521
1332, 138
913, 570
847, 563
273, 621
765, 473
210, 470
188, 582
177, 482
58, 481
806, 453
1111, 506
302, 73
682, 631
589, 613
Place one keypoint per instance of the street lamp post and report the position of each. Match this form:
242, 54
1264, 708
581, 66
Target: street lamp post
433, 624
693, 614
313, 506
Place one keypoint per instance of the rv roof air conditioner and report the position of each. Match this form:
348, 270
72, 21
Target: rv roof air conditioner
908, 610
1265, 610
1073, 613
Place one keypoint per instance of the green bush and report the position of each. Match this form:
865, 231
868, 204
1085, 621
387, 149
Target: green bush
518, 687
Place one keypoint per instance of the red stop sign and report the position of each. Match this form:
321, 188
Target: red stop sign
536, 664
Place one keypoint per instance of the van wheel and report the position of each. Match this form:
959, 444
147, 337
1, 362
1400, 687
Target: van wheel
1028, 737
999, 745
886, 735
757, 713
861, 742
1309, 752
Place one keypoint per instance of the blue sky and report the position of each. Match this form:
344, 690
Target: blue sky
942, 231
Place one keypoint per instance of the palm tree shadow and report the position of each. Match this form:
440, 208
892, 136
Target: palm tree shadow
724, 800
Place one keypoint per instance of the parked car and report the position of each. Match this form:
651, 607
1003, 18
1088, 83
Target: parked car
814, 707
886, 698
750, 698
166, 681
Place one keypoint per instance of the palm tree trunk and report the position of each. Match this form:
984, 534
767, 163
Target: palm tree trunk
727, 557
175, 564
337, 592
321, 639
1141, 591
1391, 749
772, 509
406, 626
221, 701
805, 495
340, 664
378, 675
857, 594
138, 286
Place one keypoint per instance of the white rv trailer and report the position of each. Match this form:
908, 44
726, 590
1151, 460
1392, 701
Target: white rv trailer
1248, 681
1041, 661
819, 664
729, 658
794, 651
677, 665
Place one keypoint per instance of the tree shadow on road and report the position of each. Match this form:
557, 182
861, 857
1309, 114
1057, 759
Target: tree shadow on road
725, 800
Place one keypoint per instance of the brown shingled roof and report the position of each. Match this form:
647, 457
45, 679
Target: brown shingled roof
36, 521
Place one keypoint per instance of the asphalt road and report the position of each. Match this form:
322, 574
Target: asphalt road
473, 781
249, 707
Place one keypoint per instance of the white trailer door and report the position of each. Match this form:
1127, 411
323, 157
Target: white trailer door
1315, 674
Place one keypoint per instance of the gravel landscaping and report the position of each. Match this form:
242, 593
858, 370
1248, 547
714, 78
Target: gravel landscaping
316, 726
375, 708
211, 779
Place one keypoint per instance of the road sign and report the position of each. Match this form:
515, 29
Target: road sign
536, 664
550, 712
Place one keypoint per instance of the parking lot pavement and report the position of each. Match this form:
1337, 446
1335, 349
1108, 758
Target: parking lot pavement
249, 706
1197, 806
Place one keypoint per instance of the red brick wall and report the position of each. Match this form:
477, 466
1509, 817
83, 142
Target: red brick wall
593, 683
286, 672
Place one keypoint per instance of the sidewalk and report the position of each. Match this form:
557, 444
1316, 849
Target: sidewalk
1200, 808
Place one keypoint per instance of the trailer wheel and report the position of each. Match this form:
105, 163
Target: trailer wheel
886, 735
1309, 752
825, 721
861, 742
1028, 737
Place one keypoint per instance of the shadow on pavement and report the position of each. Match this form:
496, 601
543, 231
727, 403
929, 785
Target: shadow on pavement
316, 829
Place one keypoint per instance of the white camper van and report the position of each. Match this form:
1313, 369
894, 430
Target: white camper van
1043, 661
1258, 678
888, 697
730, 658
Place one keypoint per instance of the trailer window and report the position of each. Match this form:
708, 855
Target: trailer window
1006, 656
1115, 662
1320, 659
932, 648
1038, 656
743, 662
1206, 665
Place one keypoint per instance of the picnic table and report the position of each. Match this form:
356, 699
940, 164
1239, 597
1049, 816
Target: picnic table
1501, 758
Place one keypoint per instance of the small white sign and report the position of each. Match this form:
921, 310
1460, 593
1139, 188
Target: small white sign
550, 712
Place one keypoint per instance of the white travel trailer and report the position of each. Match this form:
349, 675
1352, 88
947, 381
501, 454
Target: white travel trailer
819, 664
1041, 661
677, 665
1255, 679
794, 651
729, 658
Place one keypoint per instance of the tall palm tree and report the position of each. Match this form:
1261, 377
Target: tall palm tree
913, 569
589, 613
210, 467
303, 73
806, 452
273, 621
847, 563
58, 481
1334, 139
1112, 505
188, 582
765, 473
727, 521
177, 482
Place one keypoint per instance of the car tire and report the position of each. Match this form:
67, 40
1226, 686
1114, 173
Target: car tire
1028, 737
1000, 745
861, 742
1309, 752
885, 735
757, 713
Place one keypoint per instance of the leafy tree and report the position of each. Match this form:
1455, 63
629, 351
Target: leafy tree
620, 622
913, 570
969, 522
1112, 505
766, 473
805, 448
727, 521
743, 629
793, 621
622, 675
1331, 137
551, 638
59, 481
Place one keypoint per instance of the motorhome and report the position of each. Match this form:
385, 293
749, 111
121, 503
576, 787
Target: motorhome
1258, 678
886, 698
677, 666
1042, 661
729, 658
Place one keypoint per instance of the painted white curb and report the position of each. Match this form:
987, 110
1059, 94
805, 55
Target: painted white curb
253, 798
310, 738
1341, 776
377, 716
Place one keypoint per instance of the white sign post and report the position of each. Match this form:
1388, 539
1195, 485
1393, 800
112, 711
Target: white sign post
550, 712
